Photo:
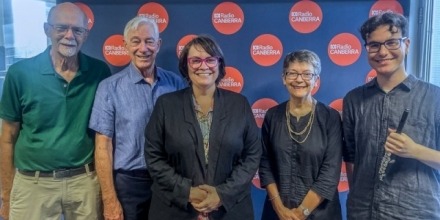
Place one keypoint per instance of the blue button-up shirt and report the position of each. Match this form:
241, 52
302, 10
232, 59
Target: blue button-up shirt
410, 189
122, 108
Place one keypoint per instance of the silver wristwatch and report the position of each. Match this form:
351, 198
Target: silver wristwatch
305, 210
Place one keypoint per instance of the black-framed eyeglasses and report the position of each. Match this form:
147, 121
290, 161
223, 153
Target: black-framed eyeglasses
294, 75
391, 44
196, 62
62, 29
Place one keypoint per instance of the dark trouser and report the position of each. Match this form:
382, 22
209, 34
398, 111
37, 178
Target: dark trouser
134, 193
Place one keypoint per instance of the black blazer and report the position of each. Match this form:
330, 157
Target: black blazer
176, 161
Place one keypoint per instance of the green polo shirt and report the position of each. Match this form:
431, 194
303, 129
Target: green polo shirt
53, 113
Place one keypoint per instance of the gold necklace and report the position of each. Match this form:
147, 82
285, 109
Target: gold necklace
308, 127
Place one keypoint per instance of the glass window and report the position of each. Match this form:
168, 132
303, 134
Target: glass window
28, 18
434, 76
21, 33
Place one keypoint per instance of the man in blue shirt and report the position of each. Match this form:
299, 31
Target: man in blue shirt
392, 174
122, 108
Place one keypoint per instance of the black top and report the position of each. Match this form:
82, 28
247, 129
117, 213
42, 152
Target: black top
298, 167
409, 189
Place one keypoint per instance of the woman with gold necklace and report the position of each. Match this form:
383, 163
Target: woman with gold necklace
203, 145
302, 144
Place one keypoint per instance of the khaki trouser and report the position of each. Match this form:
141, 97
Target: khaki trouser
76, 198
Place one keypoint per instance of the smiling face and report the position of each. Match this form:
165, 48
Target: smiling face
205, 75
387, 62
142, 45
67, 29
298, 87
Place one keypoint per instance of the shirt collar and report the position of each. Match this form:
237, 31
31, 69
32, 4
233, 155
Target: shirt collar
135, 76
47, 67
407, 84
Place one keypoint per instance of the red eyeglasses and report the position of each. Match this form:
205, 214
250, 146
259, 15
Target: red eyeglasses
196, 62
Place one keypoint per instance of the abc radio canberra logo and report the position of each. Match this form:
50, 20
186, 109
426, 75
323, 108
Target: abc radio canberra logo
114, 51
156, 12
370, 76
266, 50
90, 17
227, 18
381, 7
182, 42
260, 107
343, 180
232, 81
344, 49
305, 16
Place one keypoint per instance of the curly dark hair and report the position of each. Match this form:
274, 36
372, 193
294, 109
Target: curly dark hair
395, 22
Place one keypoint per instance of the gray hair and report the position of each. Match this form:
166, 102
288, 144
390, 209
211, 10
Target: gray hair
134, 23
303, 56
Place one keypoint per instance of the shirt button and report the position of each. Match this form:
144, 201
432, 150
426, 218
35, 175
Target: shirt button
65, 85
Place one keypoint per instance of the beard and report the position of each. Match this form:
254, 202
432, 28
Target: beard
67, 51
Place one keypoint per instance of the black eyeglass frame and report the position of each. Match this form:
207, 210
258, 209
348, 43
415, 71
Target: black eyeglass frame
386, 44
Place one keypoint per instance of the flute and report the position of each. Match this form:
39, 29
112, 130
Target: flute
386, 159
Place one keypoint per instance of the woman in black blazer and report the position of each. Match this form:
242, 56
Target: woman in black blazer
203, 146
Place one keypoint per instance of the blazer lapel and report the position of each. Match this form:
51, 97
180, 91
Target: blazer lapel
216, 133
194, 130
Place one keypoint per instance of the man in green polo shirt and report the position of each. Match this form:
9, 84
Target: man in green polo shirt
46, 148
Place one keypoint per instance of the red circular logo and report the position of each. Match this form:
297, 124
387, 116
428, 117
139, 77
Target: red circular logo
343, 181
182, 42
260, 107
227, 18
370, 76
266, 50
156, 12
344, 49
381, 7
256, 180
337, 105
305, 16
232, 81
90, 17
317, 85
114, 51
